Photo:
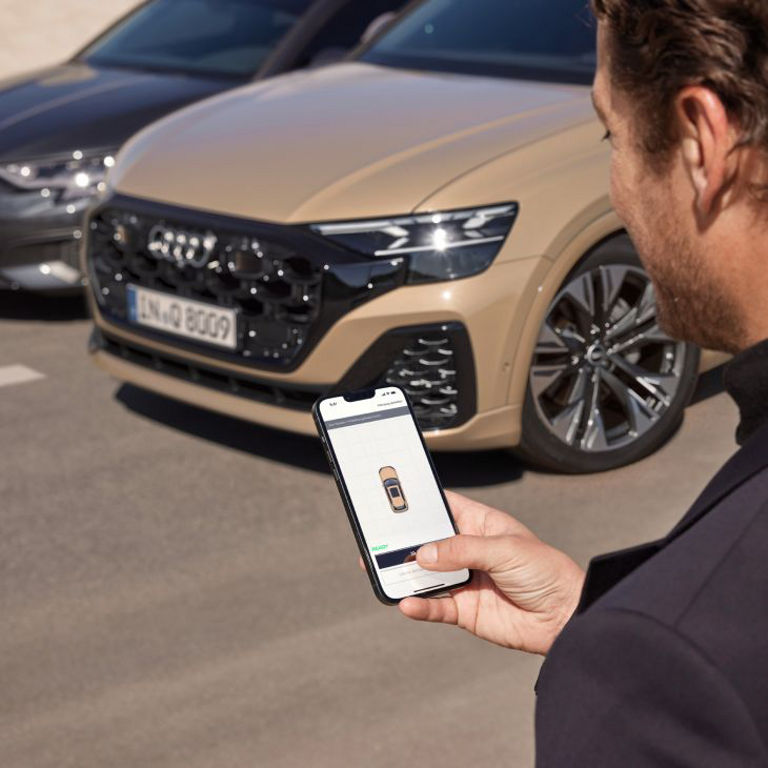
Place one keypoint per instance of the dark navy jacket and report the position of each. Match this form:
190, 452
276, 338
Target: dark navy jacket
665, 662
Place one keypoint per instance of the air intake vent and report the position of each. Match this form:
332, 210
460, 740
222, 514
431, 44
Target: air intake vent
432, 364
426, 370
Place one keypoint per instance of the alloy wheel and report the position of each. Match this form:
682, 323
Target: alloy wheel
603, 371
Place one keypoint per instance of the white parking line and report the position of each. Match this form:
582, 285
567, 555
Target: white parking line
18, 374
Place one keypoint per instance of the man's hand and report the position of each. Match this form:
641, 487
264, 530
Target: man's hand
523, 591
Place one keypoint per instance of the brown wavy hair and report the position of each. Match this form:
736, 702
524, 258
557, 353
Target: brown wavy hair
659, 47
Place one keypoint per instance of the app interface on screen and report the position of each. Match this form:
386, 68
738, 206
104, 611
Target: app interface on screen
394, 493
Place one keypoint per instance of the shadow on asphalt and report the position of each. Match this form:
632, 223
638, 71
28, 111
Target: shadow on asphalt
17, 305
710, 384
457, 470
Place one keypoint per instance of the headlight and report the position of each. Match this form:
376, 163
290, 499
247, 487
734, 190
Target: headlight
438, 246
74, 178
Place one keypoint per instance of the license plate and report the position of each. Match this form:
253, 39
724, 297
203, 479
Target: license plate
182, 317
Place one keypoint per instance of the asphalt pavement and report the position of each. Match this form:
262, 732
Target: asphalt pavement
180, 589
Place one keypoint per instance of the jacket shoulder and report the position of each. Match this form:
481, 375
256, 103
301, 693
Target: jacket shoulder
710, 587
701, 560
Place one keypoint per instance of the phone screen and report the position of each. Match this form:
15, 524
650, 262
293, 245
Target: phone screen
394, 493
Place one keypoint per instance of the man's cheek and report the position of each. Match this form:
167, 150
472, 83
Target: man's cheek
617, 192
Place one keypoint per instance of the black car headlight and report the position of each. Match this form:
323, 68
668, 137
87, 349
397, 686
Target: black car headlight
438, 246
71, 180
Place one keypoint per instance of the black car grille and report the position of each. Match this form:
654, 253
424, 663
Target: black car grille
287, 285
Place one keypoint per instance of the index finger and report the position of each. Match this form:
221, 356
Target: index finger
442, 610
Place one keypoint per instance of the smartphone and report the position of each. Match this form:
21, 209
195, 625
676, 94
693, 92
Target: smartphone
389, 487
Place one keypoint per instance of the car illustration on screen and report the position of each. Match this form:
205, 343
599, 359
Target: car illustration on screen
393, 489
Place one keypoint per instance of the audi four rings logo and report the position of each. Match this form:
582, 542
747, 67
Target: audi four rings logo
179, 247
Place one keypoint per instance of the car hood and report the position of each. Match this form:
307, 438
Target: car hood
76, 106
347, 141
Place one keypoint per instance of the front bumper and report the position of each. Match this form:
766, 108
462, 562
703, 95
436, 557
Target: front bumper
39, 244
491, 429
432, 363
361, 336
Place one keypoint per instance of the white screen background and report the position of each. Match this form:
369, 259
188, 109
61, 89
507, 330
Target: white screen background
361, 451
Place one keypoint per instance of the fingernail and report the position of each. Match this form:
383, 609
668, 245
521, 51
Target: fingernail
428, 553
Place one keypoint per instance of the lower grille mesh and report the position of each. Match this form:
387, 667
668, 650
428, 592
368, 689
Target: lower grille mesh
426, 370
212, 378
433, 364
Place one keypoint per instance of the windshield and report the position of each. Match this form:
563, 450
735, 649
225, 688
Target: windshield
220, 38
551, 40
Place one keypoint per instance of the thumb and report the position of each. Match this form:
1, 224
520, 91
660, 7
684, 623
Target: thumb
482, 553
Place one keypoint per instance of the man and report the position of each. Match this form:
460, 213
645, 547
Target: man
661, 656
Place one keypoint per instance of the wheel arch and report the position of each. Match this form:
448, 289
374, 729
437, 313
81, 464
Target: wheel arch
564, 257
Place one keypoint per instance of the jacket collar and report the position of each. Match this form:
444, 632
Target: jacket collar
747, 462
607, 570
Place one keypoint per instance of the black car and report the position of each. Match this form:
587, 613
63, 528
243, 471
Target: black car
60, 127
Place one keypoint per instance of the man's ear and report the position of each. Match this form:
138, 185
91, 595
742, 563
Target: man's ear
706, 141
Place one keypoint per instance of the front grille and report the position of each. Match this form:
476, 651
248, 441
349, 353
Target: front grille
287, 284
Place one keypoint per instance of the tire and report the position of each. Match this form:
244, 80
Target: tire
606, 386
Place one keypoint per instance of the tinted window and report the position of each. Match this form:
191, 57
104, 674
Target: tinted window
345, 28
533, 39
226, 38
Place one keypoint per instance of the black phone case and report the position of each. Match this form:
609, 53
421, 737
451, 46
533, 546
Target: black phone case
350, 510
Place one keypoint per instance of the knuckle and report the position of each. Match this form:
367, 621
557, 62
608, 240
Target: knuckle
452, 549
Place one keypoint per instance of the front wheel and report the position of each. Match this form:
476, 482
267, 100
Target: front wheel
606, 385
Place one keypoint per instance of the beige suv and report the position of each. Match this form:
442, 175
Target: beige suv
432, 214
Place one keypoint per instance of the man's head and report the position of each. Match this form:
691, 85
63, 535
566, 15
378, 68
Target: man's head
682, 86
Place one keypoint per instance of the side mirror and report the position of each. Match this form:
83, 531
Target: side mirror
377, 25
